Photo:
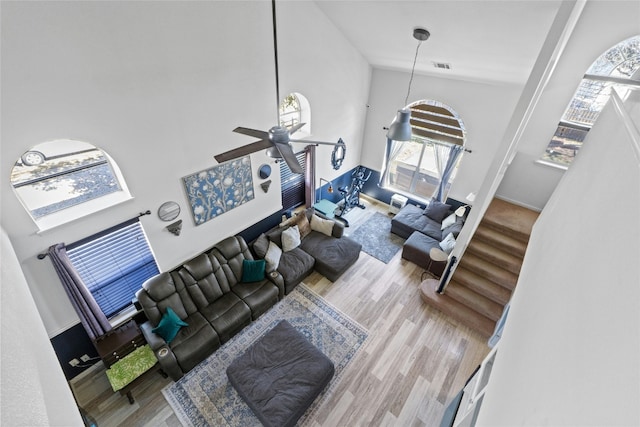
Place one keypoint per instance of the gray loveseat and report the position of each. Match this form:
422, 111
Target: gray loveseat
322, 248
198, 306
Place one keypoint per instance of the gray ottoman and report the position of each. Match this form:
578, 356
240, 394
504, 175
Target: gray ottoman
280, 375
416, 249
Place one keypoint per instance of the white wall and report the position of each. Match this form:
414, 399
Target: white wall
33, 388
602, 25
484, 108
571, 345
316, 60
160, 86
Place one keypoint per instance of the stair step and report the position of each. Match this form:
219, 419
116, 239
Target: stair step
479, 284
495, 256
501, 240
514, 220
490, 271
496, 225
456, 310
474, 301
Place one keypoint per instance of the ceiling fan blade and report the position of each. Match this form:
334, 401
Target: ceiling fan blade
244, 150
287, 154
295, 128
260, 134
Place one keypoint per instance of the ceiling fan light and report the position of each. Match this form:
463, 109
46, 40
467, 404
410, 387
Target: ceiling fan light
274, 153
400, 129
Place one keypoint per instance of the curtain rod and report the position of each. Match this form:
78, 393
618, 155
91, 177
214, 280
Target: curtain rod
147, 212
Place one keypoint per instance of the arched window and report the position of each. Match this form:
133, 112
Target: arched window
294, 109
619, 69
62, 180
415, 168
290, 111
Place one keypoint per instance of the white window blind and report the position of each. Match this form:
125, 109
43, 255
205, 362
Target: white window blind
114, 264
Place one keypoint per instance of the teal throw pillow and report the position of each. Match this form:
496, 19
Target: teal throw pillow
169, 325
253, 271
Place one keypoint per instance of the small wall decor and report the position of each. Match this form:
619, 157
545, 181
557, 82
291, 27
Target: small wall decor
338, 153
265, 171
217, 190
168, 211
265, 186
175, 228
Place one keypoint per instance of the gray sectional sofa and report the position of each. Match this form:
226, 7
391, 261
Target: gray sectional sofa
424, 231
323, 248
198, 306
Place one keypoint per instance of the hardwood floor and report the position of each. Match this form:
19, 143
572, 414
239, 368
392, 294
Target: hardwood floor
414, 362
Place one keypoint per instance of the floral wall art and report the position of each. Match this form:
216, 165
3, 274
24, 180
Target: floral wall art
217, 190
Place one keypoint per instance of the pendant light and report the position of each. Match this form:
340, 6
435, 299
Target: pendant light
400, 129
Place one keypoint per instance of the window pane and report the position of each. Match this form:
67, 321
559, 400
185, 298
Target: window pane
414, 169
564, 145
619, 70
60, 174
290, 111
588, 102
622, 60
292, 184
114, 265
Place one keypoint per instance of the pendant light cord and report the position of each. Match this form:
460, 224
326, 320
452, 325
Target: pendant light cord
406, 100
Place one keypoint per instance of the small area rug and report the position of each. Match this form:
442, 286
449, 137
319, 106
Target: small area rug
376, 238
204, 397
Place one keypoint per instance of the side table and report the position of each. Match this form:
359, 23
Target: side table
117, 349
436, 255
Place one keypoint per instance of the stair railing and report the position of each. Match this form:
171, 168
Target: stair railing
445, 276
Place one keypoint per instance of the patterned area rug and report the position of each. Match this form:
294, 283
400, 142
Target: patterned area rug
376, 238
204, 396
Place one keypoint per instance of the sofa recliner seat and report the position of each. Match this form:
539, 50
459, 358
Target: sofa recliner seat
208, 294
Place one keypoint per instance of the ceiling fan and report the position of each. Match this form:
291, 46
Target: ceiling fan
277, 141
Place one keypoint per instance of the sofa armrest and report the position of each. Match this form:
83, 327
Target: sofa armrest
278, 280
164, 354
338, 228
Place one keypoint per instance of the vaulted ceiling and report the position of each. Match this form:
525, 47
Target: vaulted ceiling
481, 40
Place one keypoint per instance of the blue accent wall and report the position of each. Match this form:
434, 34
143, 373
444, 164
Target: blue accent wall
72, 344
372, 189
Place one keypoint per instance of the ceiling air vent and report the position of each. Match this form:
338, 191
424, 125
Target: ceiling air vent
442, 65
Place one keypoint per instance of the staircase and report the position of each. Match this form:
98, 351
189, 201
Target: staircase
487, 273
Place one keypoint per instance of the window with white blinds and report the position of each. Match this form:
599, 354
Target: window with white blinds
114, 264
292, 184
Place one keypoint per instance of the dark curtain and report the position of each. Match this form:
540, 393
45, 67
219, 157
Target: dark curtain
310, 175
91, 316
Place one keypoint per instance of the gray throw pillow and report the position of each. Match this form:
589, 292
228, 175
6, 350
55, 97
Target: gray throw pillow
436, 210
276, 236
452, 229
261, 245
